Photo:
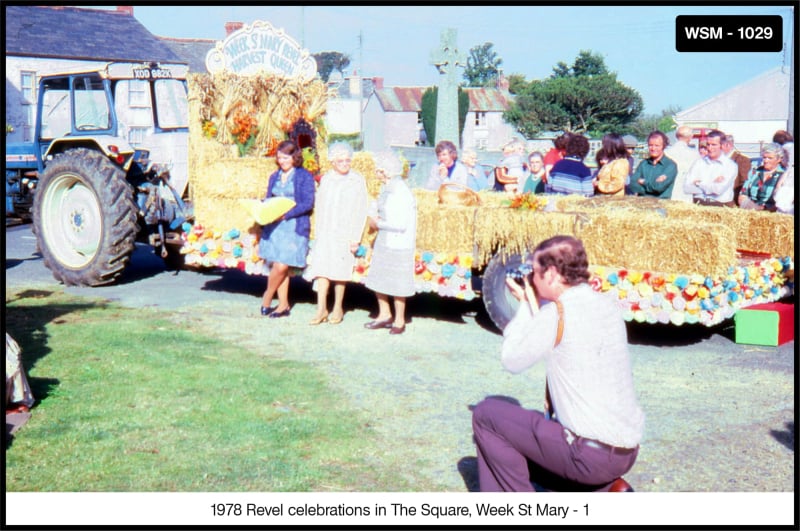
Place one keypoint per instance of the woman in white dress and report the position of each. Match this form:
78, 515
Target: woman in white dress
340, 212
391, 270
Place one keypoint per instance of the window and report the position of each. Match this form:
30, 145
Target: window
136, 135
56, 109
480, 119
27, 83
172, 104
91, 106
138, 95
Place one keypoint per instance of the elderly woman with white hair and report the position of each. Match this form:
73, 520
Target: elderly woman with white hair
391, 270
758, 191
476, 177
340, 213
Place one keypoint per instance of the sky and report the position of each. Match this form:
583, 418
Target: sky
395, 42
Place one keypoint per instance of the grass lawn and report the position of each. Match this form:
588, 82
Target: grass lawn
128, 402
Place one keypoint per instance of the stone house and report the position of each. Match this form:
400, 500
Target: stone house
42, 40
346, 98
393, 118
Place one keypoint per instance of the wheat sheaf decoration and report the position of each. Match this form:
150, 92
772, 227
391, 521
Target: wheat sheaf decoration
256, 112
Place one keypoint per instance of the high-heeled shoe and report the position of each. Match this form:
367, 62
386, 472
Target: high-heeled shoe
318, 319
334, 320
377, 325
267, 310
276, 315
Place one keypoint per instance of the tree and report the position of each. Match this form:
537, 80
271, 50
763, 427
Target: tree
428, 110
516, 83
586, 64
327, 62
583, 98
646, 124
483, 66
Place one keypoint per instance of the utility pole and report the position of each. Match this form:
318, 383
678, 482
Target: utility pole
302, 26
361, 88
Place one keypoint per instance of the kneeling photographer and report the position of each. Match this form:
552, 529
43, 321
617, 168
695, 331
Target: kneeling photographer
590, 430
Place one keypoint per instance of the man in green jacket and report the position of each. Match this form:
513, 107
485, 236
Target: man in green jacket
655, 176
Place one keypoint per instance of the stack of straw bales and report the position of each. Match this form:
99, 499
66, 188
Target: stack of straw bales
644, 234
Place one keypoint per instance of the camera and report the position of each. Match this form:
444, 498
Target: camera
517, 274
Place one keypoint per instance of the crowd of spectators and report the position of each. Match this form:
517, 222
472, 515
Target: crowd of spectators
709, 170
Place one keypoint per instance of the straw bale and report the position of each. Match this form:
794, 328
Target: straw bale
514, 231
649, 243
244, 178
493, 199
447, 229
754, 230
222, 214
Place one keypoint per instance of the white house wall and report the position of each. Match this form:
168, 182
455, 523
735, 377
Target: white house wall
401, 129
490, 137
15, 65
374, 126
751, 111
749, 136
342, 116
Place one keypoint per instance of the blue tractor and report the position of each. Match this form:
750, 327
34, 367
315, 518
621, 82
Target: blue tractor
90, 194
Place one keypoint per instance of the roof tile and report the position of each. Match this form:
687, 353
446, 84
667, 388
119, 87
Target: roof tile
409, 99
75, 33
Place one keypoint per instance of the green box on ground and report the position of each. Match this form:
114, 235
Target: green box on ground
769, 324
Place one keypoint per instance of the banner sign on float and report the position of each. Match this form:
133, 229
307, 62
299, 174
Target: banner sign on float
261, 48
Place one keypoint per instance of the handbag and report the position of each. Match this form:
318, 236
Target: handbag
458, 194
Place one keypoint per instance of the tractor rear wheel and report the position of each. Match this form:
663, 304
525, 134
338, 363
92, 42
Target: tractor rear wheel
84, 217
500, 304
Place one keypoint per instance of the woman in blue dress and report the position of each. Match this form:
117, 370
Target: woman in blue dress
284, 242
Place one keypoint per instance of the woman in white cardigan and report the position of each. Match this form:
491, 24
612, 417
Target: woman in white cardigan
391, 270
340, 210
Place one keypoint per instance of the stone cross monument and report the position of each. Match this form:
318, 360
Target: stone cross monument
446, 58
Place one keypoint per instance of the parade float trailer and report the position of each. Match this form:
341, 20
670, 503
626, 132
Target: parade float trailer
665, 261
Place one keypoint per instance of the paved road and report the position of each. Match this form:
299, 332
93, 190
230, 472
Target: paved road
145, 282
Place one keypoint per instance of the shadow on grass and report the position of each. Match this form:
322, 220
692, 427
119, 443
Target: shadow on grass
785, 437
667, 335
468, 468
27, 325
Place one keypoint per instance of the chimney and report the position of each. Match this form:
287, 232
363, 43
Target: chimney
377, 82
502, 82
231, 27
128, 10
